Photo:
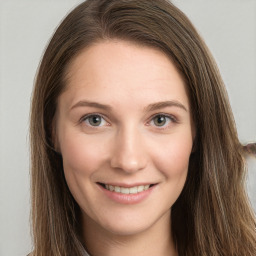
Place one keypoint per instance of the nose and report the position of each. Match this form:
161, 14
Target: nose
129, 154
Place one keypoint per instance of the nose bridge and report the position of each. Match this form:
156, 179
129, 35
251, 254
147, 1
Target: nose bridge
129, 152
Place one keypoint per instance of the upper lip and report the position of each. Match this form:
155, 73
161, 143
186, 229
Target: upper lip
127, 185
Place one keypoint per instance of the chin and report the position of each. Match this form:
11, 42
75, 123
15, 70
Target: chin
130, 222
126, 229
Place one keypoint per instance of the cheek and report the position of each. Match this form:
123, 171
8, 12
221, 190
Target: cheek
80, 161
80, 155
172, 158
172, 161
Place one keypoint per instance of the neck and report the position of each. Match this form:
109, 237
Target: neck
156, 240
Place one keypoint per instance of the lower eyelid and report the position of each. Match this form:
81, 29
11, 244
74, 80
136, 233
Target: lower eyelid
86, 117
170, 117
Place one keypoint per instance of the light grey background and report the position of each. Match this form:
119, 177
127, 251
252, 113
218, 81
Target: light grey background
228, 27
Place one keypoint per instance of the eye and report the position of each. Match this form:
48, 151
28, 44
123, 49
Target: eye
94, 120
161, 120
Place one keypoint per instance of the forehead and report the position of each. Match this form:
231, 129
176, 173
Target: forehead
112, 70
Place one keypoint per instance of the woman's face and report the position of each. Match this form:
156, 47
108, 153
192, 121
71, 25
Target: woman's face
125, 132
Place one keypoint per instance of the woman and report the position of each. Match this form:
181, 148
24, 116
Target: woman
133, 144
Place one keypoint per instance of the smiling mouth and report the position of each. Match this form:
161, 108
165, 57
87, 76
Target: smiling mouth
125, 190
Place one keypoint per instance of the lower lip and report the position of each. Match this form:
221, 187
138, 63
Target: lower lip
127, 198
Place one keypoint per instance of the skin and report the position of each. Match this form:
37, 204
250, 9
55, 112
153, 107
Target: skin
127, 146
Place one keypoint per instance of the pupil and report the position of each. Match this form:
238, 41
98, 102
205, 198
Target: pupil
160, 120
95, 120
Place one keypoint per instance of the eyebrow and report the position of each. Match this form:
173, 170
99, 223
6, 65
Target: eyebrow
150, 107
163, 104
91, 104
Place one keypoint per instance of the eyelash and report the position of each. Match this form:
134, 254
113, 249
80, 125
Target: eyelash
171, 118
86, 117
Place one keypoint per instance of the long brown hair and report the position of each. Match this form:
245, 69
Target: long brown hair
212, 216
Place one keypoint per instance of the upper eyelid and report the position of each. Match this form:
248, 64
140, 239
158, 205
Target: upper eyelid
167, 126
83, 119
92, 114
172, 117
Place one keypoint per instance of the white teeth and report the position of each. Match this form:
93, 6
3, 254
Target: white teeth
111, 188
133, 190
146, 187
117, 189
140, 188
123, 190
